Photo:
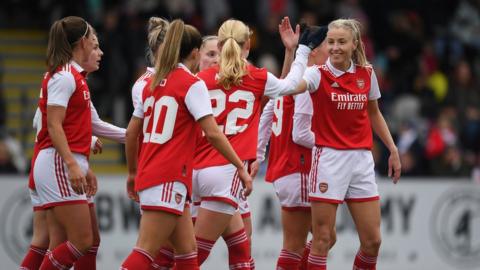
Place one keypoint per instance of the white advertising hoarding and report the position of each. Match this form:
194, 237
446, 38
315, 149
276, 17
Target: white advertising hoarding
426, 224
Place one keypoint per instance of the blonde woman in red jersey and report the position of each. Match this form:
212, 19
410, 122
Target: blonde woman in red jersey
344, 93
157, 28
174, 100
285, 123
236, 89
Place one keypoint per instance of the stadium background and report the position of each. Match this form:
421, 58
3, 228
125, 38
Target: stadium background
426, 57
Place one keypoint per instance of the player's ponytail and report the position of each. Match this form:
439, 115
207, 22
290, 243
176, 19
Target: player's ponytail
354, 26
157, 29
63, 37
232, 35
179, 42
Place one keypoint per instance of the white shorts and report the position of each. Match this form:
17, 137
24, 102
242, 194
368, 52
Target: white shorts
168, 197
36, 203
51, 179
243, 207
217, 183
342, 175
292, 191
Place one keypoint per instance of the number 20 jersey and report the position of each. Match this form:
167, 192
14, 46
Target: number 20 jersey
170, 113
237, 112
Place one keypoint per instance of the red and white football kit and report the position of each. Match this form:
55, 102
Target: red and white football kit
288, 163
67, 88
237, 112
170, 112
342, 162
137, 90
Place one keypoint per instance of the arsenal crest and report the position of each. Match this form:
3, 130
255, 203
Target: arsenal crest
360, 83
178, 198
323, 187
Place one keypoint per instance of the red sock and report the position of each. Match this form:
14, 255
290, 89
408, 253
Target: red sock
316, 262
164, 259
138, 259
306, 252
203, 248
238, 250
364, 262
33, 259
288, 260
62, 257
87, 261
186, 261
252, 263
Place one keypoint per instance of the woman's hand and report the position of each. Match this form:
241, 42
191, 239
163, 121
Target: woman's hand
289, 38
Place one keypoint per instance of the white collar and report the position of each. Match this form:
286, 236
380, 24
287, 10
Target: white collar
151, 69
181, 65
76, 66
337, 72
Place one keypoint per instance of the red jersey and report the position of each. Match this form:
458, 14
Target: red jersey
285, 157
340, 118
69, 90
237, 112
170, 112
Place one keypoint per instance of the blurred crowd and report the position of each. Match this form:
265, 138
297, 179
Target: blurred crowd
425, 54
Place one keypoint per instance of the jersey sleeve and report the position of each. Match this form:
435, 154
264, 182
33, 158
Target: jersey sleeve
312, 77
106, 130
374, 93
302, 133
198, 101
60, 88
275, 87
138, 106
265, 130
137, 91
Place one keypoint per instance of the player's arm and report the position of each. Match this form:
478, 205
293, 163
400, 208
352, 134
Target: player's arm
380, 128
290, 41
103, 129
60, 88
302, 133
131, 152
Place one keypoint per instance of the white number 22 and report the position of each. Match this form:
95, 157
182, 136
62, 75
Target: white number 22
220, 98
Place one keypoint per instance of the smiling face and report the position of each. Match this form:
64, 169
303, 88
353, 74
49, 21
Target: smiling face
209, 53
93, 54
340, 46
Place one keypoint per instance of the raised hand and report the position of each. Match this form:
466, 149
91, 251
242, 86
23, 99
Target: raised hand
313, 36
289, 38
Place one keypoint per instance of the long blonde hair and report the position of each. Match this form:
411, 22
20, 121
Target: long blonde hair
157, 29
232, 35
179, 42
354, 26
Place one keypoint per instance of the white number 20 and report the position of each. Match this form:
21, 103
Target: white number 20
166, 133
220, 98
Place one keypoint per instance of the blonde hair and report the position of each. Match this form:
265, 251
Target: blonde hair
232, 35
179, 42
354, 26
206, 39
157, 28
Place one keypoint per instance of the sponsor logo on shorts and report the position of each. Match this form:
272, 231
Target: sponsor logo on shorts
178, 198
323, 187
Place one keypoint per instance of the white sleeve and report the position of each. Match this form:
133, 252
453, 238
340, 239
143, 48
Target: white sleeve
302, 133
137, 91
312, 77
198, 101
374, 88
60, 88
103, 129
275, 87
138, 107
265, 130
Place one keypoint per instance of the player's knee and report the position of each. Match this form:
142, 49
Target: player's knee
83, 241
333, 239
372, 245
